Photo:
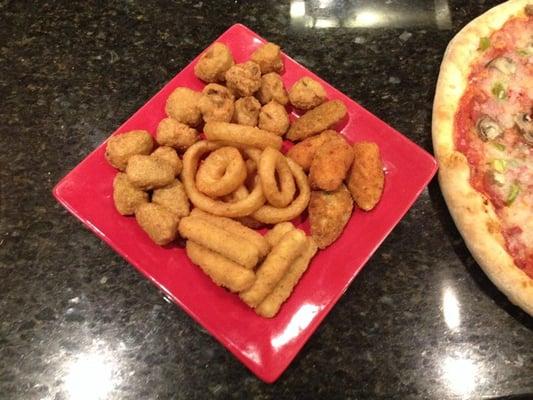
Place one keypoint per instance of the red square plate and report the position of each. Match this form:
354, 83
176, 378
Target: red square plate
266, 346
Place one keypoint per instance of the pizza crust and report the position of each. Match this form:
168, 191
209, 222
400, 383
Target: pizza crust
472, 212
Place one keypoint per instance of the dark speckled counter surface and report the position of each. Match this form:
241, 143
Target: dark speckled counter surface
77, 322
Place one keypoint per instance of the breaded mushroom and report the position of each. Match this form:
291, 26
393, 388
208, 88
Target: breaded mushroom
246, 111
216, 103
182, 105
272, 89
307, 93
121, 147
268, 56
175, 134
244, 79
213, 64
274, 118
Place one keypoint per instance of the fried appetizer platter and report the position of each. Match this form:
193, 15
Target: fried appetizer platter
214, 171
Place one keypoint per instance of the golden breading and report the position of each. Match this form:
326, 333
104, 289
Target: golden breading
270, 306
274, 235
173, 198
274, 118
158, 222
169, 155
303, 153
244, 79
147, 172
213, 64
272, 89
222, 271
331, 164
268, 56
307, 93
175, 134
246, 111
317, 120
329, 213
274, 267
182, 105
121, 147
366, 179
217, 239
216, 103
126, 196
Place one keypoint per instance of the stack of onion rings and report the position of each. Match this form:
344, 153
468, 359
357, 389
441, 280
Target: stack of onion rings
273, 161
221, 173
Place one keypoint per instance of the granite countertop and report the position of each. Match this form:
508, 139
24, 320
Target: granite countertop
78, 322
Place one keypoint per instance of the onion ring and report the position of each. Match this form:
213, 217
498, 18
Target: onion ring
273, 161
243, 207
222, 172
272, 215
241, 135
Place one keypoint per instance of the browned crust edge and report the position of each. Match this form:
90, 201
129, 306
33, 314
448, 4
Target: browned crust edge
473, 214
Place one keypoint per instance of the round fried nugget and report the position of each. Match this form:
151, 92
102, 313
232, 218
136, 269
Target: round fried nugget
169, 155
126, 196
158, 222
331, 164
244, 79
121, 147
272, 89
182, 105
217, 103
173, 198
214, 63
175, 134
147, 172
247, 111
274, 118
307, 93
268, 56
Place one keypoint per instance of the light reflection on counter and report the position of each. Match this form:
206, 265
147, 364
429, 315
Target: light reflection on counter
450, 308
460, 374
323, 14
91, 376
299, 321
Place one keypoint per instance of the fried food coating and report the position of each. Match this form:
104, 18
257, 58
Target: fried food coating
175, 134
366, 179
222, 271
121, 147
272, 89
240, 135
216, 103
268, 56
274, 118
147, 172
158, 222
169, 155
213, 64
274, 235
307, 93
126, 196
173, 198
244, 79
270, 306
182, 105
247, 111
317, 120
329, 213
331, 164
274, 267
217, 239
303, 153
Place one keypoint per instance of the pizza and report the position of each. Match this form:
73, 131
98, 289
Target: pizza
483, 140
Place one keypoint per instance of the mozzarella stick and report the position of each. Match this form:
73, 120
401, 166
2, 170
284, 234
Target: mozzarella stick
219, 240
222, 271
270, 306
274, 267
241, 134
274, 235
236, 228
